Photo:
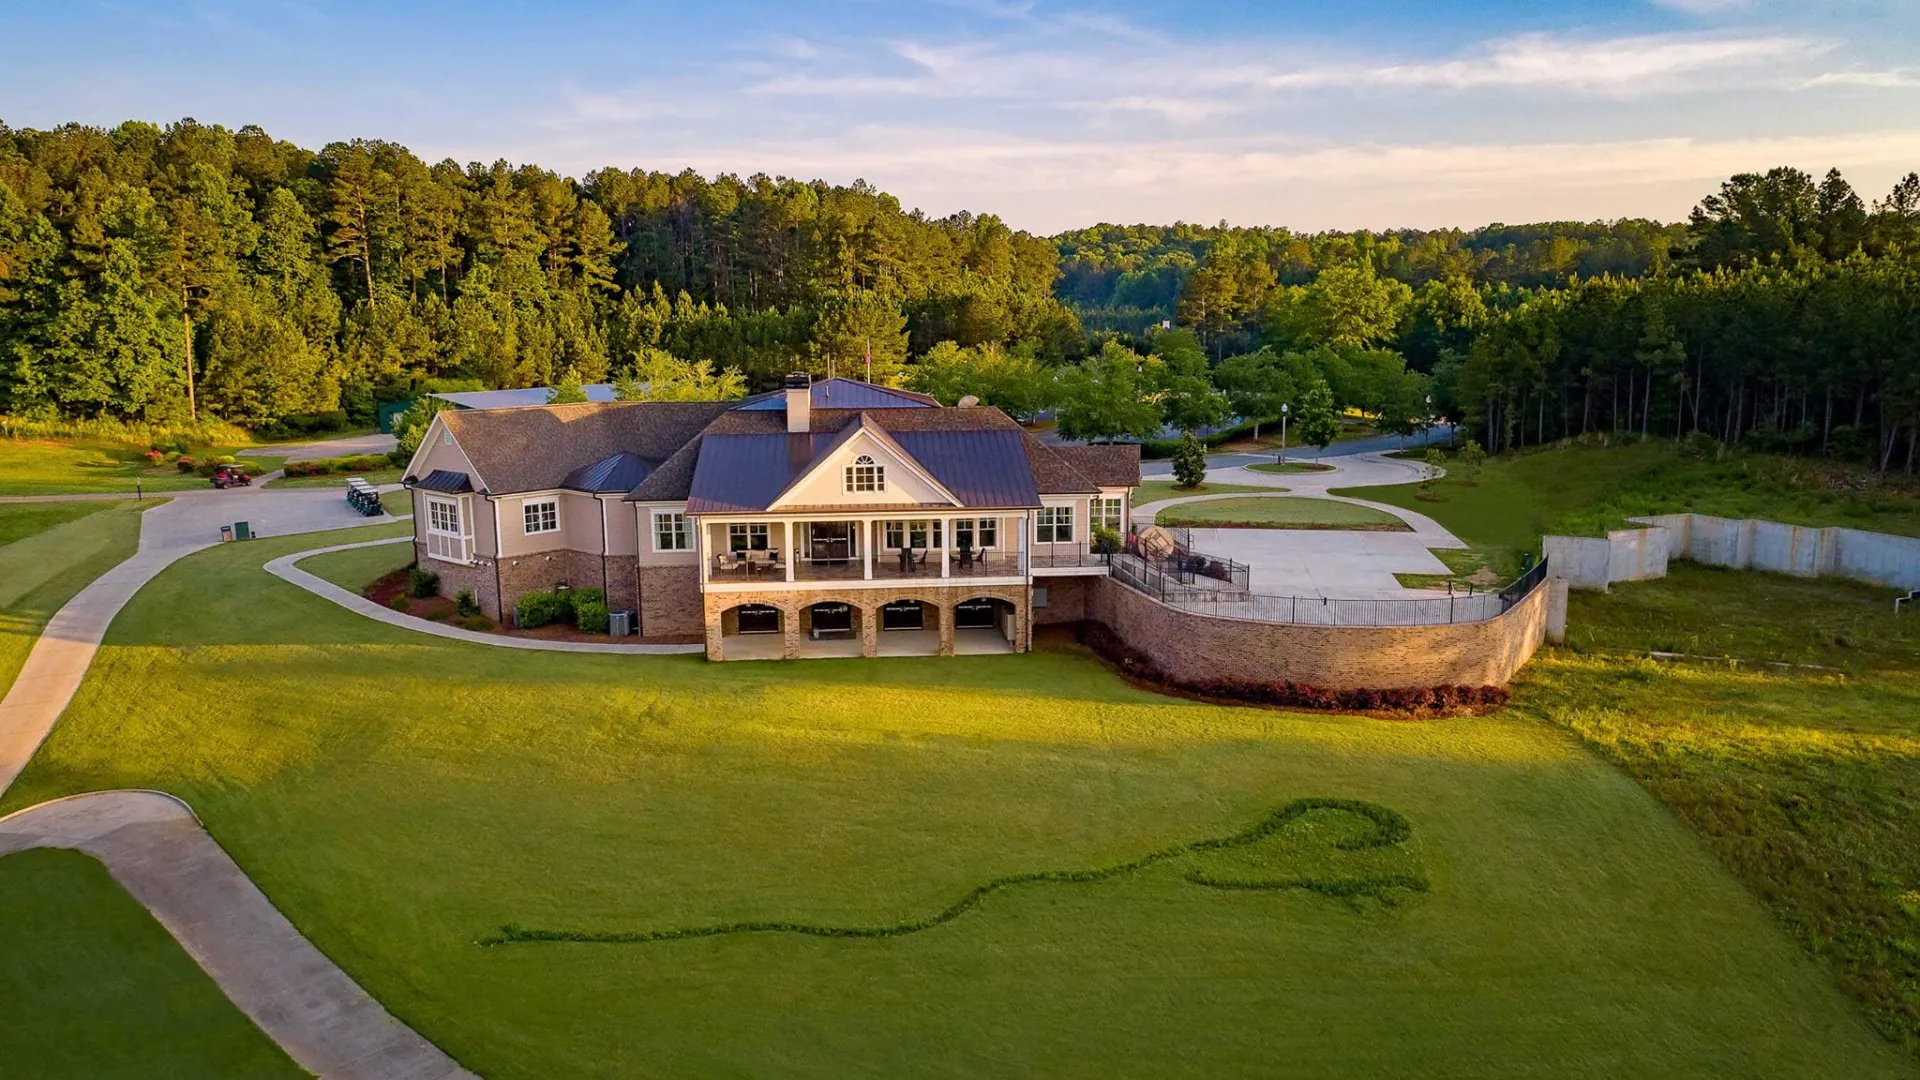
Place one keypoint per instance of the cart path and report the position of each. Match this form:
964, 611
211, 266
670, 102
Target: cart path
181, 526
156, 848
286, 568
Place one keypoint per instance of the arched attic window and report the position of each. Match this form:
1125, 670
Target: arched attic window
866, 475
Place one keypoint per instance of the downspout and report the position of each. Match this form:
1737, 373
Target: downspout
606, 547
499, 588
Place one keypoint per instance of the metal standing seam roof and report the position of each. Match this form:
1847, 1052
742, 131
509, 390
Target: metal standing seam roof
444, 480
844, 394
621, 472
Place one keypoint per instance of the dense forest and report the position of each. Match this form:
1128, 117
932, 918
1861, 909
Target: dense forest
163, 274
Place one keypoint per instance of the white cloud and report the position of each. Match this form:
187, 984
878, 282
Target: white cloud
1879, 80
1704, 7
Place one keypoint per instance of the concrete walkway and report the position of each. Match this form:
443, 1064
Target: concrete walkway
286, 568
157, 850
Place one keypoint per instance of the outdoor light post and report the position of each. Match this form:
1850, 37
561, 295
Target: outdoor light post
1282, 459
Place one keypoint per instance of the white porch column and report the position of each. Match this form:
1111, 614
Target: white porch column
866, 549
699, 528
793, 553
946, 541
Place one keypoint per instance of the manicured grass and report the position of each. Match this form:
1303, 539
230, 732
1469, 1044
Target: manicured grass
397, 503
1806, 783
356, 569
57, 467
1254, 512
42, 572
378, 476
21, 520
401, 798
95, 988
1155, 490
1585, 489
1290, 467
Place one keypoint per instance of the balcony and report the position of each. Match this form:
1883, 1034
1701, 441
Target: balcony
924, 565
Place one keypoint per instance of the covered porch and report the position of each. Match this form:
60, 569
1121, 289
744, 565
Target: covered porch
820, 549
804, 627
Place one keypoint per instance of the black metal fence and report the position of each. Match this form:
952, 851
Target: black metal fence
1227, 596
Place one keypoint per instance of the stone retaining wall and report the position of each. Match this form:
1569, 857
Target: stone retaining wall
1191, 647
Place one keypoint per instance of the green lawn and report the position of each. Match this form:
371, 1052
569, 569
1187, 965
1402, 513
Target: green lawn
1155, 490
378, 476
402, 798
41, 573
1290, 467
59, 467
95, 988
1805, 782
1253, 512
21, 520
1586, 489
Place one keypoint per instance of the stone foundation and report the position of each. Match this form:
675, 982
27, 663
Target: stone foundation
1066, 599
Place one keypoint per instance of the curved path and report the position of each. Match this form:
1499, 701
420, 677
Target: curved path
158, 851
286, 568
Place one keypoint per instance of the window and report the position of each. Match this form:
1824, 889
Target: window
747, 537
865, 475
968, 533
1105, 512
446, 538
670, 531
914, 534
542, 516
1053, 525
896, 534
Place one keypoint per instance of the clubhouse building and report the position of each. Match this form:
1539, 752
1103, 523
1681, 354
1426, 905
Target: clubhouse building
831, 518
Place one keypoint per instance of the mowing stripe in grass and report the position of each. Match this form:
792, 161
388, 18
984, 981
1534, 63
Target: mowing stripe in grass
1387, 828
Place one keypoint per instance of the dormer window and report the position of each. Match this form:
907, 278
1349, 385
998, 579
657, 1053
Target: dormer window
865, 475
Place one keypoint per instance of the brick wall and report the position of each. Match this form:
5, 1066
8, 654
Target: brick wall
1203, 648
670, 600
1066, 599
454, 577
623, 582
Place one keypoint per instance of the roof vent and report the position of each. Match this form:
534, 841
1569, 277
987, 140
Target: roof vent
969, 401
799, 387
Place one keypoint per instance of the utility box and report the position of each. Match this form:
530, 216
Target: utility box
241, 531
620, 623
226, 533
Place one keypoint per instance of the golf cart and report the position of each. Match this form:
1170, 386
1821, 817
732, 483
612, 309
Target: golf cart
231, 476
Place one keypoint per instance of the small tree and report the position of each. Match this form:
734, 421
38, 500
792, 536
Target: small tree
1435, 462
1470, 458
1318, 425
568, 390
1189, 462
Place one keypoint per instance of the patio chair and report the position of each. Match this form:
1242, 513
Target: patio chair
920, 560
727, 564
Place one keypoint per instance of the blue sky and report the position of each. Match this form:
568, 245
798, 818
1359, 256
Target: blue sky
1333, 114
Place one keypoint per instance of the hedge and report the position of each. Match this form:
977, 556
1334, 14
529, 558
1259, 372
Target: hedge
540, 608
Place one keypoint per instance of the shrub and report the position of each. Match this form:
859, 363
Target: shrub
587, 596
1190, 462
400, 602
1471, 455
465, 604
1105, 541
154, 457
476, 621
185, 464
422, 583
590, 616
540, 608
307, 468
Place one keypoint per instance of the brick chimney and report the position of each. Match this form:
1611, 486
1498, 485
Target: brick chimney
799, 402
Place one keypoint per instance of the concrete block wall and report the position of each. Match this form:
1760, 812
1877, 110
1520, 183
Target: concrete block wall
1740, 544
1203, 648
1589, 562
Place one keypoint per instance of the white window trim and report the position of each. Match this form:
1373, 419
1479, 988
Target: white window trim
540, 507
685, 531
1097, 512
854, 485
1054, 524
461, 534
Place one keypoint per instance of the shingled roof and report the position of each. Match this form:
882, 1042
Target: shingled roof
534, 448
1115, 465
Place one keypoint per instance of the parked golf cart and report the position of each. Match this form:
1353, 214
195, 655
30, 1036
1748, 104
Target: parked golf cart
231, 476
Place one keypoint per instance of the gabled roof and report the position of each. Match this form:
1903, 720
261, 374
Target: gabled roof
621, 472
538, 447
844, 394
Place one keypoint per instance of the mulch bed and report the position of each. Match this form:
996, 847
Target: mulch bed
441, 609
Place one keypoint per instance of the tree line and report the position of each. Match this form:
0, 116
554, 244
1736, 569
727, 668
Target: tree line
156, 274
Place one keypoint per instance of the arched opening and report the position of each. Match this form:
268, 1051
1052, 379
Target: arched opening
909, 628
984, 624
830, 628
752, 632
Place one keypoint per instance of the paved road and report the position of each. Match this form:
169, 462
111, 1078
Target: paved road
1372, 444
374, 443
156, 848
